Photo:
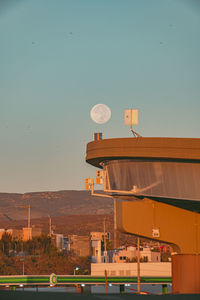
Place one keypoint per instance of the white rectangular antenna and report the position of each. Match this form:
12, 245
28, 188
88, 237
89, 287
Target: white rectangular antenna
131, 117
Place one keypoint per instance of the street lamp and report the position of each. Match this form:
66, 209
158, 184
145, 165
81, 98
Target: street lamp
76, 269
22, 259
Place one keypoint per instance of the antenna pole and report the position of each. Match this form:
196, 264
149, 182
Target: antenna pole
135, 134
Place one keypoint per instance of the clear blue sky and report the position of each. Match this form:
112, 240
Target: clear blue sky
58, 58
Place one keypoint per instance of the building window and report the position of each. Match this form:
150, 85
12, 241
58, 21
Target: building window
122, 257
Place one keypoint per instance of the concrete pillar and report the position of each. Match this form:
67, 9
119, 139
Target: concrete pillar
121, 288
164, 288
79, 289
186, 274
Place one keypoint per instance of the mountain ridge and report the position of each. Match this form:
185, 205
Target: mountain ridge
54, 203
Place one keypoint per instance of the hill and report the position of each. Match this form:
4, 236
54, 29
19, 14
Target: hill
57, 203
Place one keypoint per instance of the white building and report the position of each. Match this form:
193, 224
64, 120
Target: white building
130, 269
59, 241
130, 254
97, 239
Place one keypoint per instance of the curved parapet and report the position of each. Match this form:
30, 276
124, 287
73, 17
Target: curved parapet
162, 169
178, 149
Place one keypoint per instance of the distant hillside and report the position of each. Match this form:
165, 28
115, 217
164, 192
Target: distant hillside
74, 224
52, 203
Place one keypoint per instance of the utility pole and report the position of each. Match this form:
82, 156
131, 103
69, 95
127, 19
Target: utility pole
22, 260
29, 213
49, 225
29, 216
104, 233
29, 220
115, 222
23, 268
106, 281
138, 265
104, 240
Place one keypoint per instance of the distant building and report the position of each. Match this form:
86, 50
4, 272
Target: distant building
130, 254
26, 234
61, 242
150, 256
96, 251
124, 255
15, 233
80, 245
2, 231
95, 235
97, 245
36, 231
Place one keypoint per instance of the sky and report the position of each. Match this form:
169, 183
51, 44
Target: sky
60, 58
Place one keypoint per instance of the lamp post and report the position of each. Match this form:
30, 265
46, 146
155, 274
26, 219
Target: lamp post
76, 269
22, 259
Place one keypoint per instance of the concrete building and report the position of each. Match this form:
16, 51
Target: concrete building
96, 235
59, 241
2, 231
99, 254
36, 232
26, 234
124, 255
80, 245
96, 251
15, 233
29, 233
149, 256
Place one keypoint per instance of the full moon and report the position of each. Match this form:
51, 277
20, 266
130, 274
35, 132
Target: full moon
100, 113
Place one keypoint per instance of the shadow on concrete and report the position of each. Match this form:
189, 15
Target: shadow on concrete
20, 295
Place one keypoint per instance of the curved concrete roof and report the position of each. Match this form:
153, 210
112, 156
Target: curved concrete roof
177, 149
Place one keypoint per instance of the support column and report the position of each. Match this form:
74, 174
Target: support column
79, 288
164, 288
121, 288
115, 222
186, 273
